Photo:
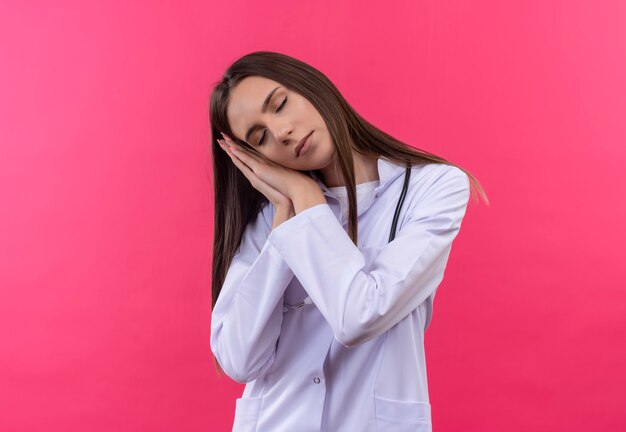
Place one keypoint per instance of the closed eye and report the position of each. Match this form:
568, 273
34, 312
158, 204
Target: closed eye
277, 109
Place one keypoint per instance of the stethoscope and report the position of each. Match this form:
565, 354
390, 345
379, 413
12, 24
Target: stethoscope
392, 235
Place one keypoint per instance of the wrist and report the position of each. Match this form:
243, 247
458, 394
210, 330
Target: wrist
282, 213
307, 197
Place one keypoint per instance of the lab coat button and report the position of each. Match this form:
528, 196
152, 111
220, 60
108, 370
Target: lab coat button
316, 380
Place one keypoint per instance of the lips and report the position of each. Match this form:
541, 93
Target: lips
301, 143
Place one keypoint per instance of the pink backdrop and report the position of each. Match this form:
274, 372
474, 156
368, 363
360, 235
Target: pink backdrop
106, 221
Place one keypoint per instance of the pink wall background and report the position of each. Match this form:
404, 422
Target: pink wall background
106, 202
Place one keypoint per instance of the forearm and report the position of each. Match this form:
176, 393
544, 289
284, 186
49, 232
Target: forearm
247, 315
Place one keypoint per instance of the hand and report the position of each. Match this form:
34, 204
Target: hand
275, 197
266, 174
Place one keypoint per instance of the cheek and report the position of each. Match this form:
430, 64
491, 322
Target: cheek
328, 146
278, 159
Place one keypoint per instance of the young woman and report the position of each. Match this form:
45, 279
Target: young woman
331, 238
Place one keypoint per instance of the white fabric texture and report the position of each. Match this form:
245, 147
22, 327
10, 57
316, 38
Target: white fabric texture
351, 357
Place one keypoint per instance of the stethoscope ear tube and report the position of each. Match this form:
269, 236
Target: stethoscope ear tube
392, 234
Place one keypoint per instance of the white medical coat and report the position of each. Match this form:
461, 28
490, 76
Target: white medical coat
351, 358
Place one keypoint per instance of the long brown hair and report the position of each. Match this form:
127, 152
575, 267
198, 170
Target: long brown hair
237, 202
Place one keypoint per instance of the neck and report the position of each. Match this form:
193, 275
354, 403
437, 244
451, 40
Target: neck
365, 170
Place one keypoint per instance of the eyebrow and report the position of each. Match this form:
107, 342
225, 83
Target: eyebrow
266, 102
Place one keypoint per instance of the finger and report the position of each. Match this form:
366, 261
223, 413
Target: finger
232, 144
227, 148
270, 193
249, 160
245, 169
252, 163
266, 189
224, 146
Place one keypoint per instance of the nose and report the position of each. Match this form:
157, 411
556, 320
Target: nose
283, 132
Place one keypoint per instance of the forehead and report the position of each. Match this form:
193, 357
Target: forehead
245, 102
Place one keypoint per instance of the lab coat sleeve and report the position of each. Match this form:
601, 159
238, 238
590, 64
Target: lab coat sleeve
247, 316
360, 305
